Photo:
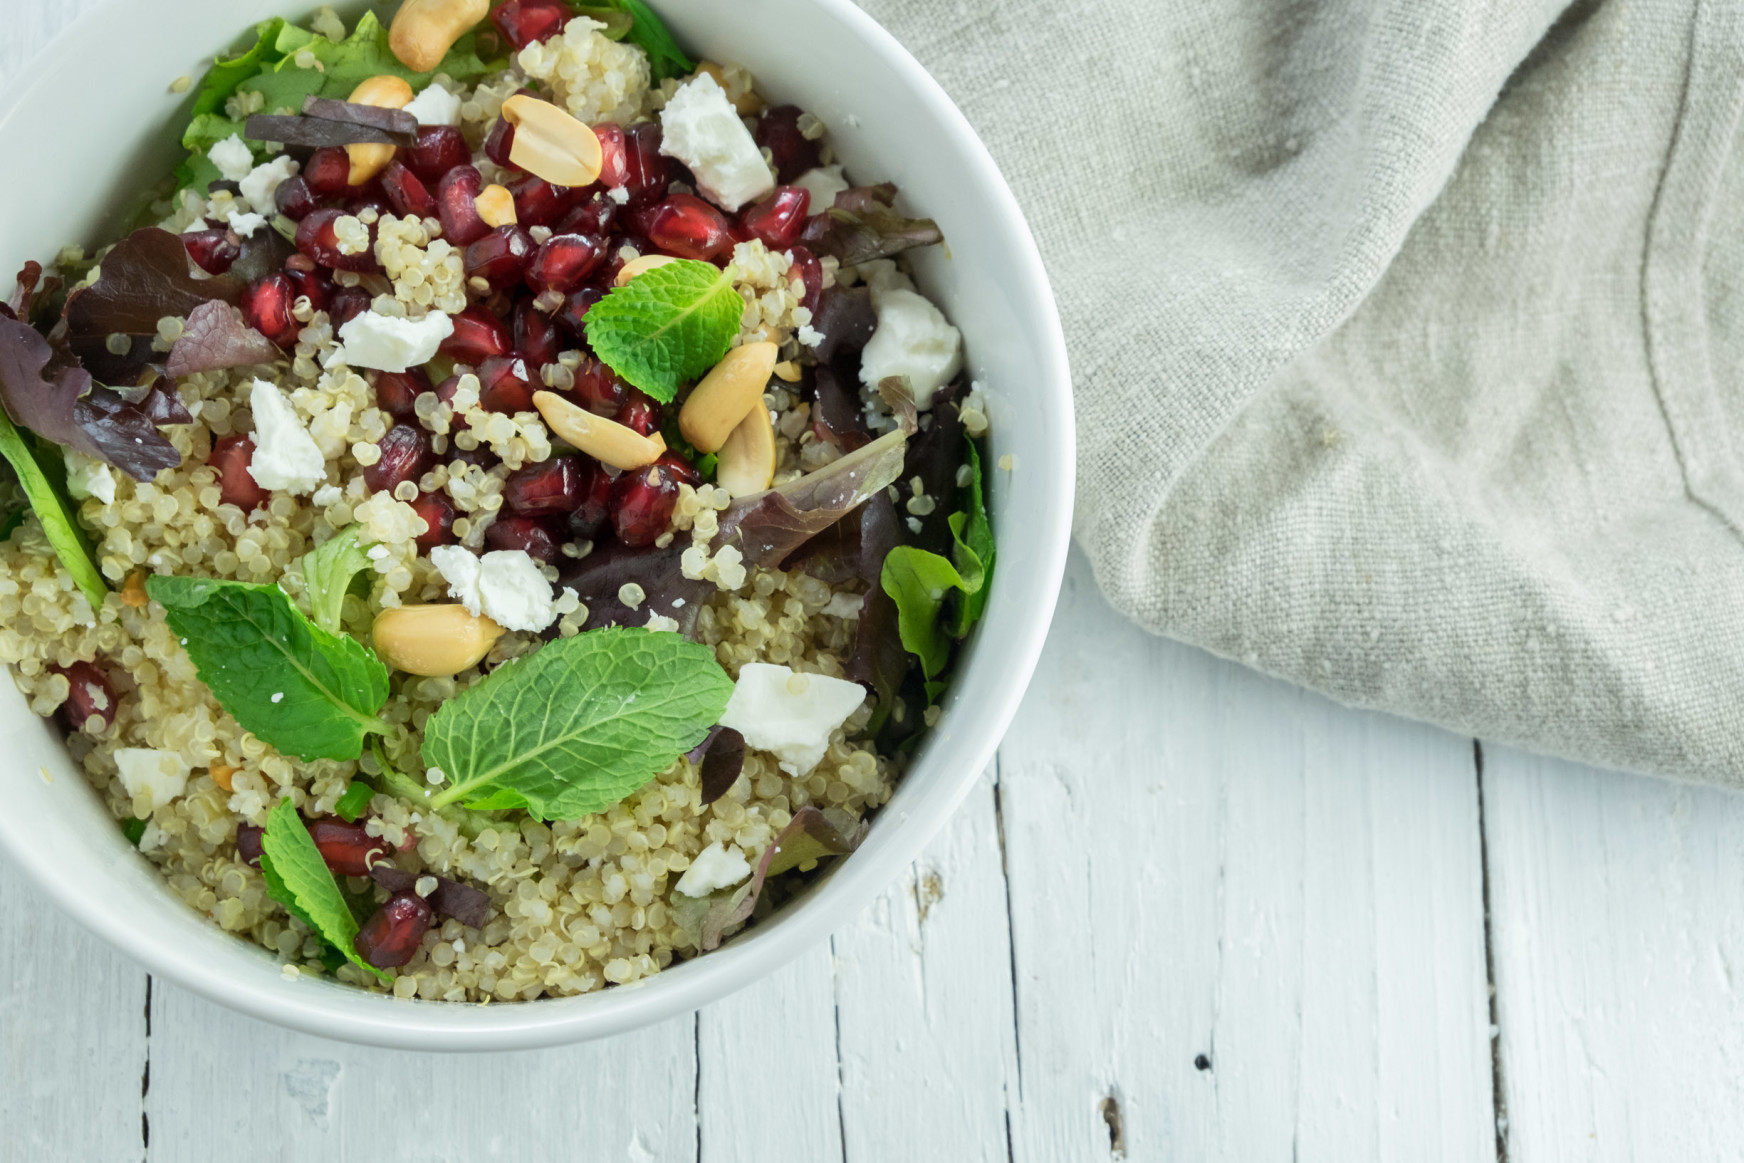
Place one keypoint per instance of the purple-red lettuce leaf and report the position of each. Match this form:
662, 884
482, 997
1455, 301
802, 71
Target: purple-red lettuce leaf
216, 338
450, 898
37, 300
722, 764
854, 547
50, 394
934, 456
161, 405
837, 414
146, 277
597, 578
846, 321
863, 225
811, 836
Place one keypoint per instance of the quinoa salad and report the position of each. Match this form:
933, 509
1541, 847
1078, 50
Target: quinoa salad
503, 520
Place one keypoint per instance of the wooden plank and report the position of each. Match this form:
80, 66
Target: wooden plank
1617, 927
923, 999
1247, 923
228, 1087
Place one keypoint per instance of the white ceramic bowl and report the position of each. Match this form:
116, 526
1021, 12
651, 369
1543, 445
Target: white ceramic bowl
94, 109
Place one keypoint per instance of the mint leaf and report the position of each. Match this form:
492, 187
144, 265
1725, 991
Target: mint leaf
328, 570
578, 726
667, 325
300, 880
649, 33
305, 691
352, 804
53, 512
134, 830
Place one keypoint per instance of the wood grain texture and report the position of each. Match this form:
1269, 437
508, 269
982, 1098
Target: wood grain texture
1247, 923
1617, 914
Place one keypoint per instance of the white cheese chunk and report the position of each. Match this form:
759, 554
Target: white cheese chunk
160, 776
88, 477
232, 157
700, 128
387, 343
246, 225
823, 184
504, 585
713, 869
435, 106
912, 340
790, 715
263, 182
286, 458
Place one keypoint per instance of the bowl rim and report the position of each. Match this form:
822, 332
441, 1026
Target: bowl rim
800, 924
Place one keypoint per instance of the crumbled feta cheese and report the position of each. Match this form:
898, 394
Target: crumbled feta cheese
505, 585
327, 495
914, 341
247, 225
286, 458
619, 194
232, 157
264, 181
88, 477
823, 183
790, 715
714, 868
700, 128
435, 106
391, 344
160, 776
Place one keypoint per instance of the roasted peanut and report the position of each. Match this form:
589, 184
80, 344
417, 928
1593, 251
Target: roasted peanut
747, 459
424, 30
727, 395
637, 266
606, 441
496, 206
551, 144
435, 641
370, 158
787, 371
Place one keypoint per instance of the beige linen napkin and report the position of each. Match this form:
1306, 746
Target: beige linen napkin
1408, 338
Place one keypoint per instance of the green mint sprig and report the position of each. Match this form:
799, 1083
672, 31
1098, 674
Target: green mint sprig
328, 571
298, 878
667, 325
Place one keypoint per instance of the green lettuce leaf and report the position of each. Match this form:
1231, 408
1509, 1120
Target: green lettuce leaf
579, 725
300, 880
328, 570
53, 511
347, 64
305, 691
667, 325
225, 75
811, 836
973, 550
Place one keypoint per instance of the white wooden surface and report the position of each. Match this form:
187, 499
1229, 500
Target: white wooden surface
1192, 914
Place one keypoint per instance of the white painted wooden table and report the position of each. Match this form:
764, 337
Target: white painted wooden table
1191, 914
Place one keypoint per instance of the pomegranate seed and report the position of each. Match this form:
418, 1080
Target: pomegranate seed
554, 486
214, 250
688, 227
318, 237
89, 693
685, 471
478, 335
523, 22
571, 317
347, 848
396, 393
644, 168
539, 203
440, 148
405, 456
643, 500
348, 303
500, 143
500, 258
596, 500
640, 412
536, 339
595, 215
267, 308
328, 172
456, 206
231, 456
505, 385
778, 132
614, 168
391, 937
248, 843
482, 456
737, 232
811, 273
564, 261
779, 218
598, 387
309, 281
294, 199
438, 514
531, 535
379, 202
407, 191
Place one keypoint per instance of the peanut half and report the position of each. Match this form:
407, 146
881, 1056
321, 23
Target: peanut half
551, 144
727, 395
747, 459
424, 30
434, 641
369, 159
607, 441
637, 266
496, 206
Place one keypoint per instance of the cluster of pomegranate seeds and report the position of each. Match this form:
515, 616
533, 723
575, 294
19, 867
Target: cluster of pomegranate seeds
501, 257
523, 22
214, 250
531, 535
594, 214
396, 393
457, 206
478, 335
536, 338
391, 936
328, 172
438, 514
811, 275
500, 142
89, 692
564, 261
778, 219
778, 132
643, 499
407, 192
554, 486
640, 412
347, 304
645, 173
505, 385
440, 148
318, 238
539, 203
589, 516
348, 849
294, 199
248, 847
267, 308
686, 226
231, 456
405, 456
597, 388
